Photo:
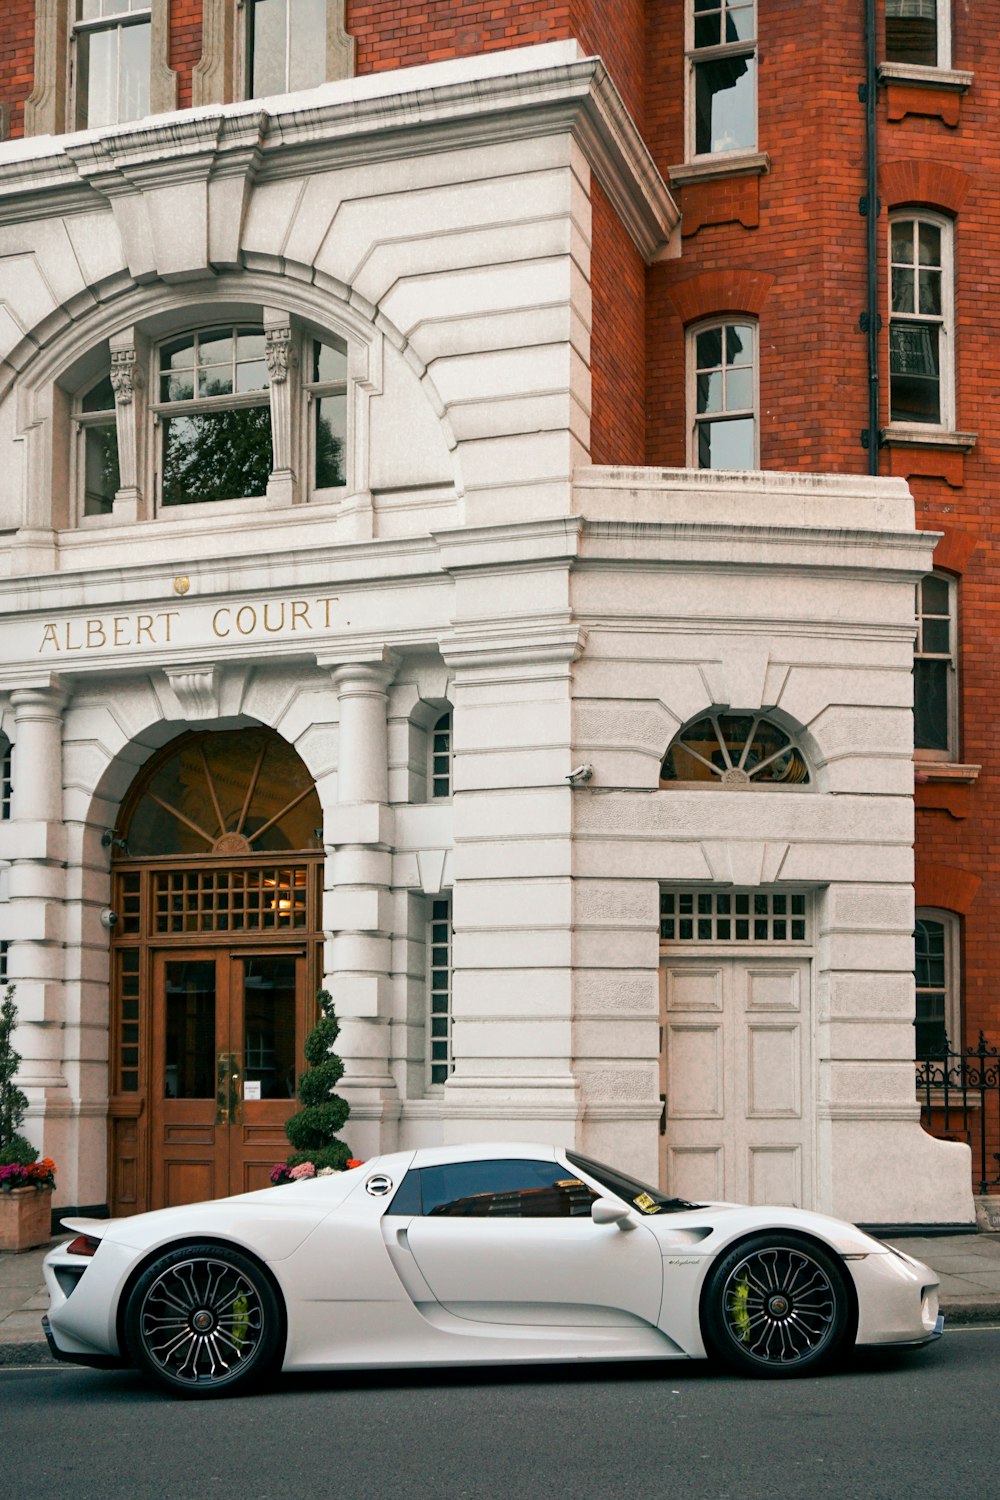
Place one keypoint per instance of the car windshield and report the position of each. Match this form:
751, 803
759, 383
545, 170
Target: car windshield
648, 1200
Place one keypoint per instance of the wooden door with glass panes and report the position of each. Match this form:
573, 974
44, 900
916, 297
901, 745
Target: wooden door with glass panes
227, 1031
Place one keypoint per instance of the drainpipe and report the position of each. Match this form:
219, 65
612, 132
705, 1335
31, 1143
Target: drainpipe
868, 207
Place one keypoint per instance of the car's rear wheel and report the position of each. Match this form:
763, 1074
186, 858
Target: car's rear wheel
204, 1320
776, 1305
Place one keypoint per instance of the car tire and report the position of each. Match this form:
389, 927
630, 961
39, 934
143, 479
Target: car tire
776, 1306
204, 1320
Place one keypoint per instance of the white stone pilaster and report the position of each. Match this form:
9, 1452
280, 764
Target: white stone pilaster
359, 916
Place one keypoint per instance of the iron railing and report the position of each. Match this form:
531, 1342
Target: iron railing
959, 1096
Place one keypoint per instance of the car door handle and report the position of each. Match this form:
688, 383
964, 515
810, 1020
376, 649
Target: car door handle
402, 1239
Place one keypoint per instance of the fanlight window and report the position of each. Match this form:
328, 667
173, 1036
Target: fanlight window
225, 795
734, 751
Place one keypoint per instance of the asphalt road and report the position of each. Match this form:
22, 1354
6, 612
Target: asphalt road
918, 1426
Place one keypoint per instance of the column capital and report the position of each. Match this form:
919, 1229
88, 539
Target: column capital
43, 698
364, 672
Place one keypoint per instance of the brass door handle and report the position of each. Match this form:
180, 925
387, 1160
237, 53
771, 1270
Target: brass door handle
223, 1089
235, 1093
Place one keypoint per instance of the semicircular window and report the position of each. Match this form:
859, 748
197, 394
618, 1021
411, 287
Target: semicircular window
225, 794
734, 751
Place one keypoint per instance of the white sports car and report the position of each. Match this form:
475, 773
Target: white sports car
473, 1255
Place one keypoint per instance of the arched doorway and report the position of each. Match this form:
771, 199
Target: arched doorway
216, 882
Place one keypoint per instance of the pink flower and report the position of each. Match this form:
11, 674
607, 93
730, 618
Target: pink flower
305, 1170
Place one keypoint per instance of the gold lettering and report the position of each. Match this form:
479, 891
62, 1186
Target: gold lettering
121, 621
95, 635
50, 637
69, 638
300, 611
144, 627
168, 615
273, 629
216, 627
247, 609
326, 604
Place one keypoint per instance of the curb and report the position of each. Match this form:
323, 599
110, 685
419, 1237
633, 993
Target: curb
24, 1353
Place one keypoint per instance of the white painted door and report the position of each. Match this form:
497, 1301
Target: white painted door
737, 1074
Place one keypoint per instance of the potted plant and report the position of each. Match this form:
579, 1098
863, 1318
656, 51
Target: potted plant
313, 1129
25, 1182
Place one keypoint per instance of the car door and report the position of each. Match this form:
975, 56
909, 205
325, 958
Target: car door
513, 1242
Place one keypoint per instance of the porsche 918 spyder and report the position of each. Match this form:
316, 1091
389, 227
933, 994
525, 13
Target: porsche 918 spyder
473, 1256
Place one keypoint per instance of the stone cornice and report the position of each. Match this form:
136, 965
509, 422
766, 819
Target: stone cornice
521, 94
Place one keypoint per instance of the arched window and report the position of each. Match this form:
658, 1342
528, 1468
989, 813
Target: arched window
938, 1018
248, 413
722, 394
921, 320
734, 751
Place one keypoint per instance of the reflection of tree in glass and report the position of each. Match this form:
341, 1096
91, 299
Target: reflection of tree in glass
102, 470
223, 455
329, 454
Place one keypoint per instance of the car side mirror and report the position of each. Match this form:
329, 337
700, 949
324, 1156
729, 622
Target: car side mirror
609, 1211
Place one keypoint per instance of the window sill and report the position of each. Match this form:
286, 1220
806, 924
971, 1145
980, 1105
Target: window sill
915, 75
728, 164
945, 770
915, 435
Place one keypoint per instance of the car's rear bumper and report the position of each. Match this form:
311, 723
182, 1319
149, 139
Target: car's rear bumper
99, 1361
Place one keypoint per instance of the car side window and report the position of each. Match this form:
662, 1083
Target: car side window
481, 1189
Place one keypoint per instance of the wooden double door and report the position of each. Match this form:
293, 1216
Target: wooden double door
227, 1030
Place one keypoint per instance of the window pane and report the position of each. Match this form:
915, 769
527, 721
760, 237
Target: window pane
930, 292
726, 445
739, 390
133, 81
935, 637
915, 383
269, 47
223, 455
331, 429
929, 244
215, 347
508, 1189
97, 78
100, 397
724, 105
101, 478
902, 289
710, 391
902, 240
739, 344
911, 32
739, 22
934, 596
708, 348
329, 361
189, 1050
307, 45
269, 1025
930, 704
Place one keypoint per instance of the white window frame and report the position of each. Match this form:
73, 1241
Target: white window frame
436, 990
942, 10
951, 657
695, 56
952, 925
694, 419
945, 322
139, 414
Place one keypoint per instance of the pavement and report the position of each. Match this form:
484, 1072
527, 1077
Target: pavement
968, 1266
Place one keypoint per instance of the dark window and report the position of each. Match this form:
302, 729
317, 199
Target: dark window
724, 64
937, 1004
216, 417
933, 666
919, 383
6, 785
491, 1189
911, 31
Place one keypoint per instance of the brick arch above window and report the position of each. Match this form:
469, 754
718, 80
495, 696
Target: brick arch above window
923, 182
946, 887
717, 292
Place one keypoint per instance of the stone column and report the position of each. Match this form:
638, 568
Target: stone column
128, 352
35, 844
358, 917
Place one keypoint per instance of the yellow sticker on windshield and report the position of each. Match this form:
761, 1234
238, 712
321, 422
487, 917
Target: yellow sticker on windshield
646, 1203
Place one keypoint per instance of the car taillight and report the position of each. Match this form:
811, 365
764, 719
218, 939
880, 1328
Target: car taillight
84, 1244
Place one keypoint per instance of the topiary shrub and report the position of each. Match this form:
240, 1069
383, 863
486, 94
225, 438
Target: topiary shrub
14, 1149
313, 1129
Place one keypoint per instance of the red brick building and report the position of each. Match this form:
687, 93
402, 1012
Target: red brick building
836, 167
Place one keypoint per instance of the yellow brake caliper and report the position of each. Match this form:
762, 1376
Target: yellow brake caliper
241, 1320
740, 1310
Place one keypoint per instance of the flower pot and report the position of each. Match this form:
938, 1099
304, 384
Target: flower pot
25, 1218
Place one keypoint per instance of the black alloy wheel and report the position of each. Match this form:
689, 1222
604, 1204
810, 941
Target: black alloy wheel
776, 1305
204, 1320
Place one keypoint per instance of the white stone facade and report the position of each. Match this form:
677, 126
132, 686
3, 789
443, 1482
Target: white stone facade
439, 222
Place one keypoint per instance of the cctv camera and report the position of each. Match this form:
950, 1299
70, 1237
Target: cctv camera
580, 775
108, 918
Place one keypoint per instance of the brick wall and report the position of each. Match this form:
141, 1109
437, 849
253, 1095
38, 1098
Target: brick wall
17, 42
618, 396
185, 45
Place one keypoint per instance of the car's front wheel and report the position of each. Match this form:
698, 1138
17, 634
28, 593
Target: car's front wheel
204, 1320
776, 1305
